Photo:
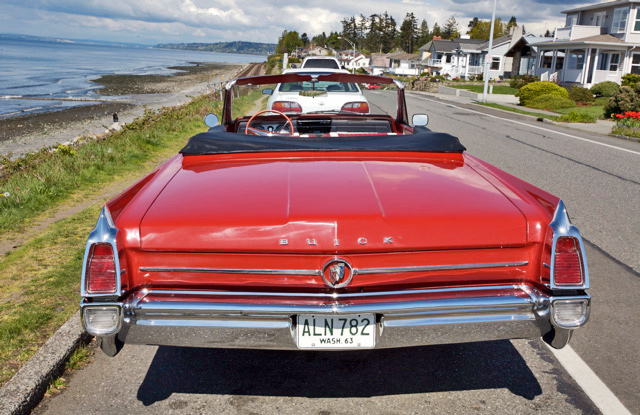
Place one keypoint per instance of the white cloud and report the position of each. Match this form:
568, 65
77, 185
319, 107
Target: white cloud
157, 21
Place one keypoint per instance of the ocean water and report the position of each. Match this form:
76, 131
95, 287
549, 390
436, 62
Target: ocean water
41, 76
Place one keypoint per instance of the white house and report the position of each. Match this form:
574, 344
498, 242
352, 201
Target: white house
360, 61
405, 64
600, 42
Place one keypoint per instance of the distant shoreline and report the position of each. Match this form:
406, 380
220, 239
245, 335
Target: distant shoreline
31, 132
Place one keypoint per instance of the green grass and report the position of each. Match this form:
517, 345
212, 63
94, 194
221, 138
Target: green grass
518, 111
497, 89
40, 279
48, 178
595, 111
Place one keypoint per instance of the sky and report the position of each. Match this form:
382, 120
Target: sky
208, 21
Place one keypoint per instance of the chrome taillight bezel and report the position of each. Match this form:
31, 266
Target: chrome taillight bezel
104, 233
562, 227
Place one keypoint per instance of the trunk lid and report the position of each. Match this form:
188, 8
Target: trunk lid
329, 205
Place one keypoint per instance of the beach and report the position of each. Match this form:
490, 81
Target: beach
125, 95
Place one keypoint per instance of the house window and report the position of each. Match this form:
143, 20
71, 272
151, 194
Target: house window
576, 60
572, 20
620, 20
599, 18
636, 27
448, 58
614, 64
635, 63
495, 63
603, 62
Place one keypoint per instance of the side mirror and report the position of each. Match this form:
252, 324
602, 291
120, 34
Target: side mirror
267, 91
420, 120
211, 120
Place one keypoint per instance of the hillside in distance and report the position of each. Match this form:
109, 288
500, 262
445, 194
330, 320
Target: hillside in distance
249, 48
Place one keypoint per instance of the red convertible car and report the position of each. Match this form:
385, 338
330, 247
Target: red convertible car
332, 230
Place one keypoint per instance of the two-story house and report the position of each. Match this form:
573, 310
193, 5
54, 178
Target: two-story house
599, 43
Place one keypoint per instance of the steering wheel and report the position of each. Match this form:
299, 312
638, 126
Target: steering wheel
257, 131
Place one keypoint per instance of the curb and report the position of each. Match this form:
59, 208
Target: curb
25, 389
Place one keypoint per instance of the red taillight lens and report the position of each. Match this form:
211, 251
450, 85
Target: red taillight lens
286, 106
101, 270
568, 269
359, 107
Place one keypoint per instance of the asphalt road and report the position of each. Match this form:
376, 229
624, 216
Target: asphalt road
600, 186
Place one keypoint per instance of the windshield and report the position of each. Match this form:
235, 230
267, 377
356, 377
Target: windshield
321, 63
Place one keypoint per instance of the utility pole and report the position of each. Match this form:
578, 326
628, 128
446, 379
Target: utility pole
489, 58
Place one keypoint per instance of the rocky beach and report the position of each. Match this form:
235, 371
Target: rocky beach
125, 95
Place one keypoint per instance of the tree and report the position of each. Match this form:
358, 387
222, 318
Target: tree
305, 39
436, 31
424, 35
473, 23
375, 34
512, 23
450, 29
361, 30
548, 33
408, 33
389, 32
483, 28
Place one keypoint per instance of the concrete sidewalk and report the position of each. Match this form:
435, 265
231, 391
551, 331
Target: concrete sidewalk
602, 127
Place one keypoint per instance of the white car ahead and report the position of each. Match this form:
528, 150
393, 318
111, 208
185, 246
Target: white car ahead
317, 96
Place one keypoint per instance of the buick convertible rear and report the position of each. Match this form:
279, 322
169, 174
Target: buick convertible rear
331, 230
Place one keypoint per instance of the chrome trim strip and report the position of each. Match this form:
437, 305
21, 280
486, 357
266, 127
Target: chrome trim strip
562, 226
397, 270
104, 232
335, 296
235, 271
365, 271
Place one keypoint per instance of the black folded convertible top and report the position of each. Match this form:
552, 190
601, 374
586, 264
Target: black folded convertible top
218, 141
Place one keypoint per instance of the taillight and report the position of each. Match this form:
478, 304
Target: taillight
568, 266
359, 107
101, 270
286, 106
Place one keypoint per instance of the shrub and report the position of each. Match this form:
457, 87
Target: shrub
575, 116
605, 89
535, 89
579, 94
551, 102
631, 80
625, 100
521, 80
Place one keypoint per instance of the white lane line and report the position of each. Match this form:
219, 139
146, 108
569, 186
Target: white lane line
590, 383
535, 126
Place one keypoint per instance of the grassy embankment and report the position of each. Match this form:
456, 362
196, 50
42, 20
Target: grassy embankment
39, 280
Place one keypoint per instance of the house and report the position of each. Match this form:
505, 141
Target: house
360, 61
316, 51
379, 63
464, 57
405, 64
523, 53
600, 42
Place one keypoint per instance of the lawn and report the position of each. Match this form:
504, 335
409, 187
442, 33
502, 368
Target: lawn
595, 111
497, 89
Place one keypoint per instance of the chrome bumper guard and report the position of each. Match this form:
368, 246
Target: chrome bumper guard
403, 318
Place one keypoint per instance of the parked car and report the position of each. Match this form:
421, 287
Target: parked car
330, 231
317, 96
320, 62
373, 86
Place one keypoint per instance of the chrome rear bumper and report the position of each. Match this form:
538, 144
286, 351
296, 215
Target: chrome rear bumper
403, 319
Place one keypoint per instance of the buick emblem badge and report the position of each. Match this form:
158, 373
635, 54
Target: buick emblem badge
337, 273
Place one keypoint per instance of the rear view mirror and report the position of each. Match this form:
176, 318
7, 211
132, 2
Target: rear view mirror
267, 91
211, 120
420, 120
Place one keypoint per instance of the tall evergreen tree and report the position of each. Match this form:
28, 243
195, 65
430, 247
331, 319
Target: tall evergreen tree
408, 33
305, 39
513, 22
450, 29
424, 36
436, 31
473, 23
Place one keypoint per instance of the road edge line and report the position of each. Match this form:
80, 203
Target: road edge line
24, 391
590, 383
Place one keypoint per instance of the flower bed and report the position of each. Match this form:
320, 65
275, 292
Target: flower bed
627, 124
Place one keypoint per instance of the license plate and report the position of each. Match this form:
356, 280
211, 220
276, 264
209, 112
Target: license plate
356, 331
